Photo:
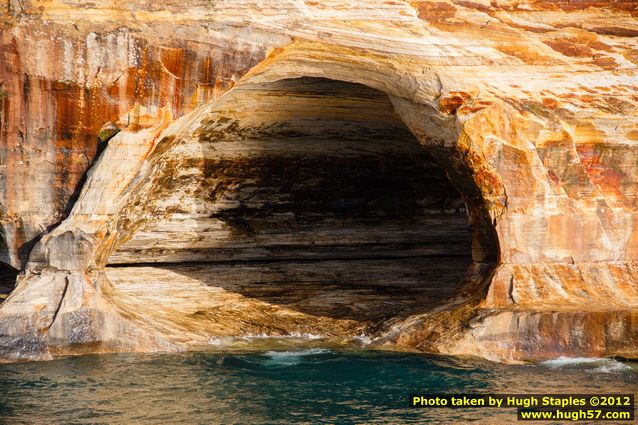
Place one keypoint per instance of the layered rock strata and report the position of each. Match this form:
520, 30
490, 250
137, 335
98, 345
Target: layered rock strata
522, 115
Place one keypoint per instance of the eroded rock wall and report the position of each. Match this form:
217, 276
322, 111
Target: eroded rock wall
61, 80
529, 107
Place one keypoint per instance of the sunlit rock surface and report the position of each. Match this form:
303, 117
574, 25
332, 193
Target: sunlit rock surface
489, 148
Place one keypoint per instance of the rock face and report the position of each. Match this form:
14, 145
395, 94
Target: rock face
450, 176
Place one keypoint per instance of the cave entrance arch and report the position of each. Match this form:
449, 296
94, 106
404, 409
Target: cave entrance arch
307, 195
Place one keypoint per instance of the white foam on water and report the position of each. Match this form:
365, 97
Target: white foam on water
256, 336
599, 364
291, 358
570, 361
362, 339
292, 335
298, 353
614, 367
302, 335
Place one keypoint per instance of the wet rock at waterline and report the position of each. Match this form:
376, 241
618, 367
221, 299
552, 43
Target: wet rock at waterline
449, 177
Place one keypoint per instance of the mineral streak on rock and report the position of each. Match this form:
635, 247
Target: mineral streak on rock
239, 118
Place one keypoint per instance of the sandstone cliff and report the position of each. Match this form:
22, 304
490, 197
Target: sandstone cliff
492, 146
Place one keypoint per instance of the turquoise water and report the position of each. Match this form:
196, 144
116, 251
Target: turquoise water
299, 386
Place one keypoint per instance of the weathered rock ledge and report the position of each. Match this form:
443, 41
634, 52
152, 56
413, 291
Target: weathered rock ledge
455, 177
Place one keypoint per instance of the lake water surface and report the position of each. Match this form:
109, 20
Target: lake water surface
297, 384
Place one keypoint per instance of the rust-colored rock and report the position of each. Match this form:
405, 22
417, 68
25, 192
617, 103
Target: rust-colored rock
522, 114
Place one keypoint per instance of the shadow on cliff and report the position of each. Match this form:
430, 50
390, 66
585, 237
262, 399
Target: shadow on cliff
363, 290
367, 238
8, 277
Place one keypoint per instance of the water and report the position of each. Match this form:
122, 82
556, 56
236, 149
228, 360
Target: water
296, 385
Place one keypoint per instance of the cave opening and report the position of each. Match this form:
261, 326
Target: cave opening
307, 195
8, 276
